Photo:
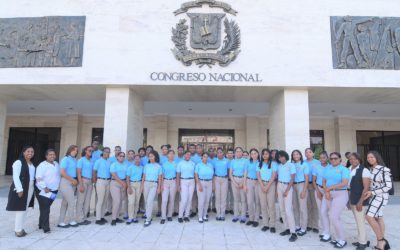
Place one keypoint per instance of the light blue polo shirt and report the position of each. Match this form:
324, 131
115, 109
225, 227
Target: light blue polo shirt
186, 168
252, 169
178, 159
163, 158
238, 166
169, 169
221, 167
134, 172
152, 171
113, 159
335, 175
265, 172
301, 170
96, 155
285, 172
69, 164
86, 166
211, 161
119, 169
204, 171
144, 160
196, 158
318, 171
102, 167
311, 165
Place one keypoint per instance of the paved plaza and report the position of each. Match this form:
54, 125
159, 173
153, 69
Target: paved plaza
172, 235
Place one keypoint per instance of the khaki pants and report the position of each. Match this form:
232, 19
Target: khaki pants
20, 216
117, 194
319, 202
331, 211
83, 203
229, 197
103, 191
253, 199
286, 207
204, 197
133, 199
360, 221
194, 204
150, 193
300, 207
267, 201
68, 203
109, 201
187, 189
221, 193
239, 198
168, 198
177, 199
313, 212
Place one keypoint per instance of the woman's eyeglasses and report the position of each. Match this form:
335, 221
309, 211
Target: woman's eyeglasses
333, 158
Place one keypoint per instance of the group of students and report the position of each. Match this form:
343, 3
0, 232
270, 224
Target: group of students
311, 193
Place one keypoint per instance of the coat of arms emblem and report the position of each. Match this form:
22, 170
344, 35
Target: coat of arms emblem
205, 35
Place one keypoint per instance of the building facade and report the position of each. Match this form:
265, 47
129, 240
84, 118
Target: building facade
285, 75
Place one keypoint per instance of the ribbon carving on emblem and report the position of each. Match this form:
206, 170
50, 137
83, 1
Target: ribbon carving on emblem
205, 35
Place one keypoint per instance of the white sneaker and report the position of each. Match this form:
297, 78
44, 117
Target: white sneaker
73, 224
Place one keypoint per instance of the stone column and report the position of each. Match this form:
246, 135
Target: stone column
157, 134
123, 119
345, 135
289, 121
252, 133
3, 142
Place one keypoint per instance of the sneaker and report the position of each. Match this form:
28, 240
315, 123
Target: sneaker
113, 223
243, 220
84, 223
325, 238
135, 220
342, 243
118, 220
158, 214
333, 242
128, 222
315, 230
222, 219
284, 233
107, 214
298, 229
63, 225
180, 220
264, 228
249, 223
255, 224
200, 220
205, 219
104, 220
125, 218
293, 238
73, 224
301, 233
169, 219
218, 219
100, 222
235, 219
147, 223
162, 221
175, 214
272, 230
186, 219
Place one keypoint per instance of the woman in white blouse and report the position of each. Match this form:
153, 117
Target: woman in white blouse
21, 190
47, 183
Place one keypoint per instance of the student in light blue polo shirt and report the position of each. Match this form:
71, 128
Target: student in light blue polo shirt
185, 185
168, 187
251, 188
266, 175
102, 177
67, 188
204, 173
317, 176
335, 182
286, 175
114, 158
151, 182
134, 175
180, 153
84, 174
164, 153
129, 160
300, 192
229, 201
221, 183
118, 187
96, 151
236, 173
312, 207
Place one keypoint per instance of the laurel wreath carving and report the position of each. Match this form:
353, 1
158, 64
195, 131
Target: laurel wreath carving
228, 53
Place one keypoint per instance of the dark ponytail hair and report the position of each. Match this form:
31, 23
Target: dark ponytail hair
262, 158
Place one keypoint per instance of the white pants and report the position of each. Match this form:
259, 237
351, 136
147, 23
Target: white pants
21, 215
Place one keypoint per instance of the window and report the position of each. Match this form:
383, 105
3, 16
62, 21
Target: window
207, 137
317, 140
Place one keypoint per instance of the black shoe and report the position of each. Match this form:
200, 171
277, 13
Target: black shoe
205, 219
255, 224
84, 223
186, 219
293, 238
309, 228
104, 220
208, 210
333, 242
249, 223
214, 210
235, 220
356, 244
180, 220
113, 223
144, 216
175, 214
128, 222
99, 222
222, 219
264, 228
338, 245
107, 214
135, 221
147, 223
88, 215
158, 214
40, 227
272, 230
169, 219
301, 233
218, 219
297, 229
46, 231
118, 220
284, 233
192, 214
162, 221
231, 211
63, 225
226, 211
315, 230
281, 220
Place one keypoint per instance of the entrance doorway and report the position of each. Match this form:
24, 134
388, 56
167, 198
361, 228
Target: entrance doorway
209, 138
40, 138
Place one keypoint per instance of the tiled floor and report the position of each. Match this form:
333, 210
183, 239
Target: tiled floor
172, 235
